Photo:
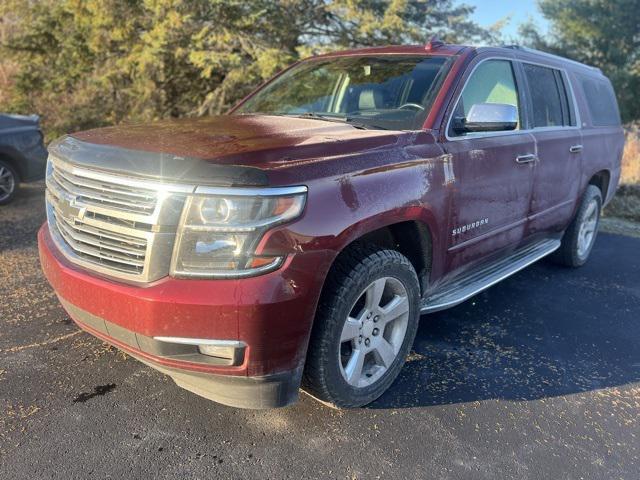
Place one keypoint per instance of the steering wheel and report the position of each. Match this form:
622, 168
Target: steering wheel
412, 105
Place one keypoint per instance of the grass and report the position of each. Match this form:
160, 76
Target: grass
631, 157
626, 203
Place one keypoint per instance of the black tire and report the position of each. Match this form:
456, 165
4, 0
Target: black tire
10, 180
570, 254
353, 271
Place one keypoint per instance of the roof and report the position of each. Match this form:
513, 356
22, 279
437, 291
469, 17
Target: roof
436, 47
549, 56
445, 49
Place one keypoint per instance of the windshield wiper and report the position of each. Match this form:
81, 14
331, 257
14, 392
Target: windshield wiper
347, 120
327, 118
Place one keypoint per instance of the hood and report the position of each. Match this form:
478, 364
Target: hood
12, 120
232, 149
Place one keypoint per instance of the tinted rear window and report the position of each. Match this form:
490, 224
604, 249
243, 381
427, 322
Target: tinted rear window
549, 99
601, 101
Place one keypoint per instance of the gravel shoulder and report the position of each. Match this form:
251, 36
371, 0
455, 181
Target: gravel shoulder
620, 226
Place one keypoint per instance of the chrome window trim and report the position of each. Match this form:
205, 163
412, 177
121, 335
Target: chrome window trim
565, 76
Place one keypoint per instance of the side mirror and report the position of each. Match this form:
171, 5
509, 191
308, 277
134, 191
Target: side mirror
488, 117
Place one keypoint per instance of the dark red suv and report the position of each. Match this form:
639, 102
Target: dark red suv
297, 240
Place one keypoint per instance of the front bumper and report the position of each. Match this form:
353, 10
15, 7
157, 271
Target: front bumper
271, 315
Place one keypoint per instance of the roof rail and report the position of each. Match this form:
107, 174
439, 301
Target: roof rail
549, 55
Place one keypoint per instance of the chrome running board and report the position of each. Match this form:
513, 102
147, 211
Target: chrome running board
465, 287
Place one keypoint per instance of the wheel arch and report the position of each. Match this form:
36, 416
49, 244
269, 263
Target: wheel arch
411, 237
13, 158
601, 180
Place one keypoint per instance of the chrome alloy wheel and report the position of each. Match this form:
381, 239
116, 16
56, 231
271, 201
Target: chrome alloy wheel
373, 332
587, 231
7, 183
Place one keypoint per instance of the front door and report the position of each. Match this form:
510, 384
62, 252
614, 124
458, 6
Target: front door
491, 177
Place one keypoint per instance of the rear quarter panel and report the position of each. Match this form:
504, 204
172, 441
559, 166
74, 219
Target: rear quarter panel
603, 145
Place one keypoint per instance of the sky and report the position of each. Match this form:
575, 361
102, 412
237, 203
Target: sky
489, 12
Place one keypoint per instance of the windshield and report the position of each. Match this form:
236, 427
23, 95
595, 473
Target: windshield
389, 92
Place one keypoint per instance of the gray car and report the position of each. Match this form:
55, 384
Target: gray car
23, 155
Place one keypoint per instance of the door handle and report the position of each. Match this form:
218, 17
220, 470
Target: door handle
528, 158
575, 148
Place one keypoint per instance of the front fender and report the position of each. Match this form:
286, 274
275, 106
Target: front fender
346, 207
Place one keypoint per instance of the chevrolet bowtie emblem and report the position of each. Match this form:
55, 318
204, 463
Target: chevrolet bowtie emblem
69, 210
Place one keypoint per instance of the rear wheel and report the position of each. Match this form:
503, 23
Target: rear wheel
8, 182
365, 325
579, 238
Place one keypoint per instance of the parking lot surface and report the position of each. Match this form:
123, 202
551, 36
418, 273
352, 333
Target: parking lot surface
537, 377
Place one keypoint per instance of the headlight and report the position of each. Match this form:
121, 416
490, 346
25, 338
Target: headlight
218, 233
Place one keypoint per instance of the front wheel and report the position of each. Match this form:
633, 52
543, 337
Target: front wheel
365, 325
579, 238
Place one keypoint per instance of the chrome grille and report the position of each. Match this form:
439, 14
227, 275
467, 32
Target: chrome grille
115, 225
112, 250
94, 191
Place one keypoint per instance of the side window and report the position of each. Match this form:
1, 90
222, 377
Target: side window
549, 99
492, 81
601, 101
568, 108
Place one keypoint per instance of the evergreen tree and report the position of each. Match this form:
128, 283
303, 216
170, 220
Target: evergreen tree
602, 33
86, 63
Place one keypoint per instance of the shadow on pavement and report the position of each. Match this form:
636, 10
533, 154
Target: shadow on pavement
545, 332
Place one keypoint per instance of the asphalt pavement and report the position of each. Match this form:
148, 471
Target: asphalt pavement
535, 378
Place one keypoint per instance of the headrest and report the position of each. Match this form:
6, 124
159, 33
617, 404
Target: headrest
370, 99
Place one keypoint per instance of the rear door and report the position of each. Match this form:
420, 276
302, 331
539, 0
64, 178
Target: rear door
491, 173
554, 125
